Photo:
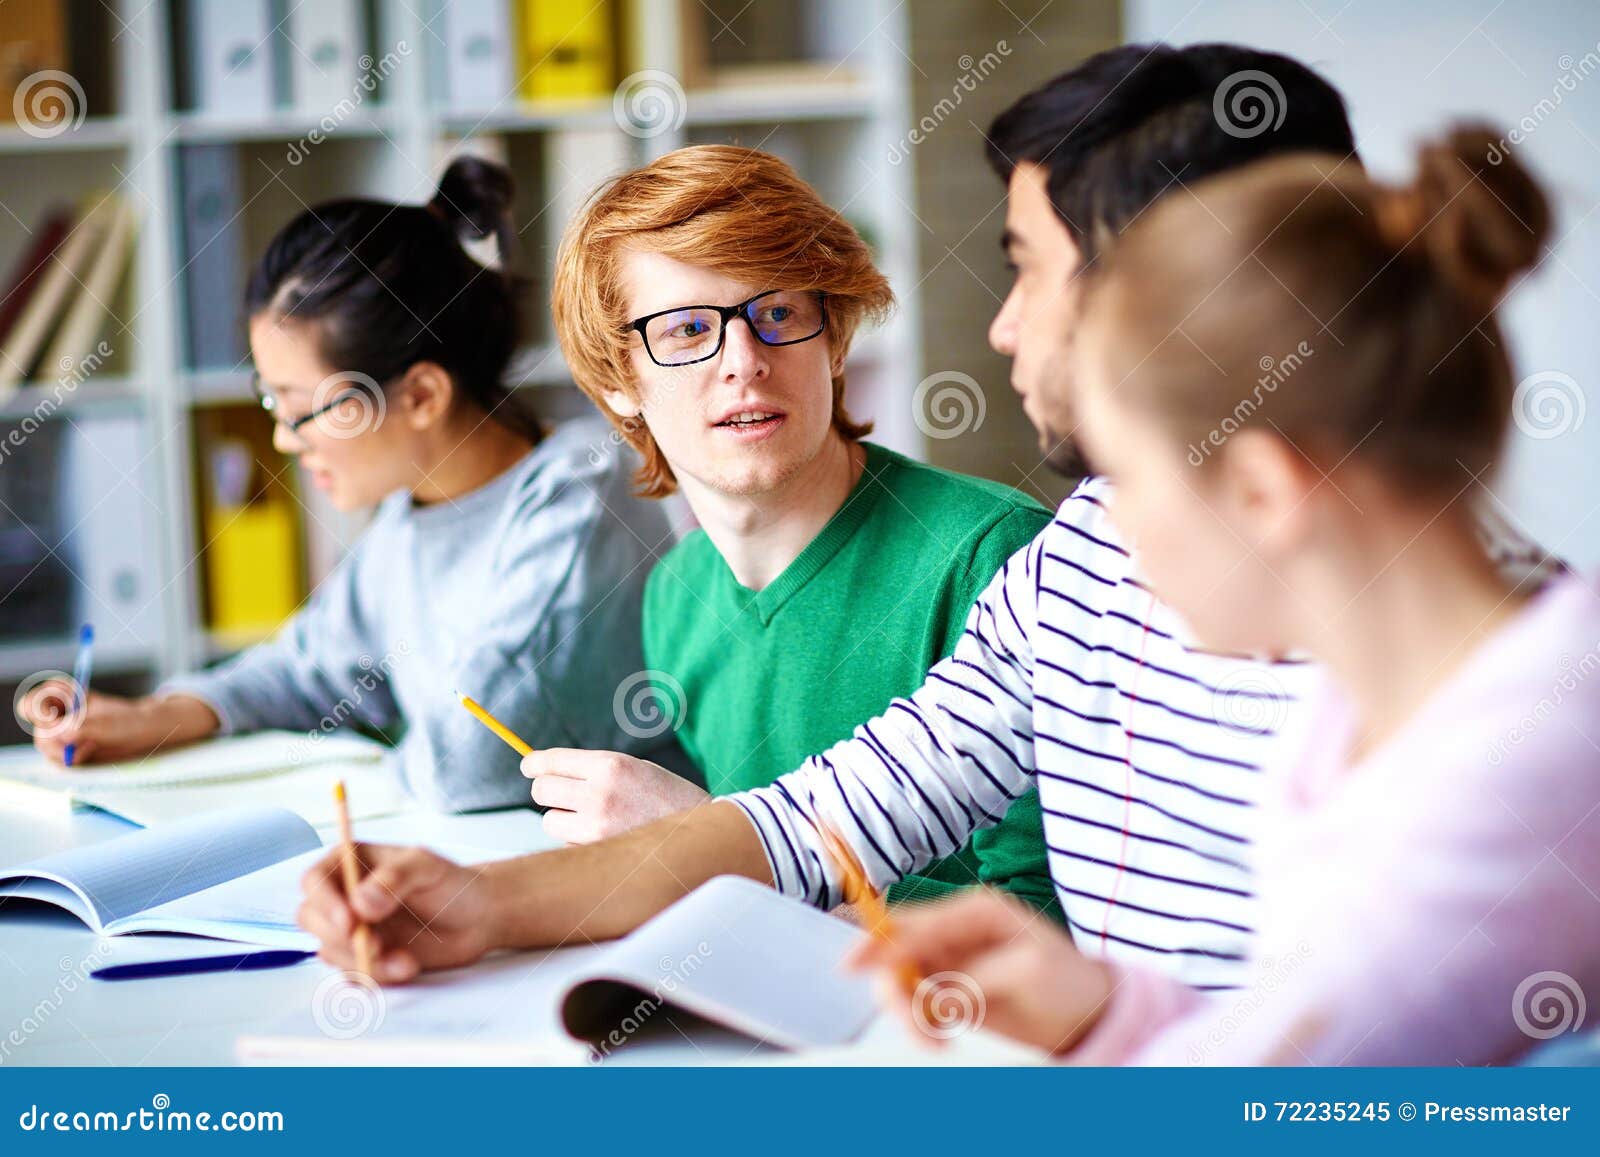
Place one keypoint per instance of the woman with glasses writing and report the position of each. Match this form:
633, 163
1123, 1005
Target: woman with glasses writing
504, 559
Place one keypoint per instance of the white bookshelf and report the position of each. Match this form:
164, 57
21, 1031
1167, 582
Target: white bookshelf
838, 132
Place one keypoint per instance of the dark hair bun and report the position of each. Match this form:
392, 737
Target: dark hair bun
1481, 217
474, 197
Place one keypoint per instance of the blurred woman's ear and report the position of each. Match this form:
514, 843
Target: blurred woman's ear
423, 396
1262, 486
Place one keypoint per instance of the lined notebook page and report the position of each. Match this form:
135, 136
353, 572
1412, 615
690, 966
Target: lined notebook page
128, 874
258, 908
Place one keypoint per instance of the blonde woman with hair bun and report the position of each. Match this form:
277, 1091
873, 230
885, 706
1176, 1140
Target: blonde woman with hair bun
1428, 866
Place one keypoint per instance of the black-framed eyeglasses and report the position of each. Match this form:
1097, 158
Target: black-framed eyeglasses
695, 333
269, 403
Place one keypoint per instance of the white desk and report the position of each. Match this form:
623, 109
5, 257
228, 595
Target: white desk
63, 1018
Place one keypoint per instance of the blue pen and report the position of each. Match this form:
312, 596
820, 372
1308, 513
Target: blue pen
80, 681
239, 962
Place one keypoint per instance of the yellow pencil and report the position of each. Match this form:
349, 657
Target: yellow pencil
352, 875
494, 725
869, 903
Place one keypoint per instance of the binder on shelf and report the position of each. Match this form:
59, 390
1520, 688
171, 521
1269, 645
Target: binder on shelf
111, 547
326, 39
251, 554
230, 56
568, 49
33, 38
213, 256
39, 601
475, 73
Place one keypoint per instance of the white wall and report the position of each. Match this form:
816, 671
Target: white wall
1407, 67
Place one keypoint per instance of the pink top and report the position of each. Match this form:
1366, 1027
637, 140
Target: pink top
1438, 903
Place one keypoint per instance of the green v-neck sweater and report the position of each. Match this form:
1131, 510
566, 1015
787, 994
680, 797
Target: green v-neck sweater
770, 677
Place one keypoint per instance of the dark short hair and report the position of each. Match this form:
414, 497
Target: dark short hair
387, 286
1127, 124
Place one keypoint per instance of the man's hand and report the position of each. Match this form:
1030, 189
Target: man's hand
1031, 983
596, 794
424, 911
106, 728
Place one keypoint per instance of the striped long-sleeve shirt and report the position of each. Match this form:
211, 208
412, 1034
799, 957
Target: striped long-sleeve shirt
1147, 750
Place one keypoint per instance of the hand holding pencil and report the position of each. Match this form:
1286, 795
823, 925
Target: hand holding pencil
991, 962
414, 909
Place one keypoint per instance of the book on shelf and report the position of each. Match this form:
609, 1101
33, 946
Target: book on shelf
67, 304
84, 322
31, 265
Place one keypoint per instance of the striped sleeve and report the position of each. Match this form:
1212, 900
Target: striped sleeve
912, 785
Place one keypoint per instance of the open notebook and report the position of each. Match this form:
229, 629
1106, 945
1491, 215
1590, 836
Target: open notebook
266, 769
230, 875
732, 951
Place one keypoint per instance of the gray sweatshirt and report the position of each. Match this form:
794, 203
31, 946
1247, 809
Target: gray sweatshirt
524, 594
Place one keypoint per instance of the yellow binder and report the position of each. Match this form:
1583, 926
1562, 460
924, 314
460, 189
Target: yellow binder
568, 49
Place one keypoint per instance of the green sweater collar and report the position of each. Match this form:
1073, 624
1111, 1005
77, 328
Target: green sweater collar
864, 496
